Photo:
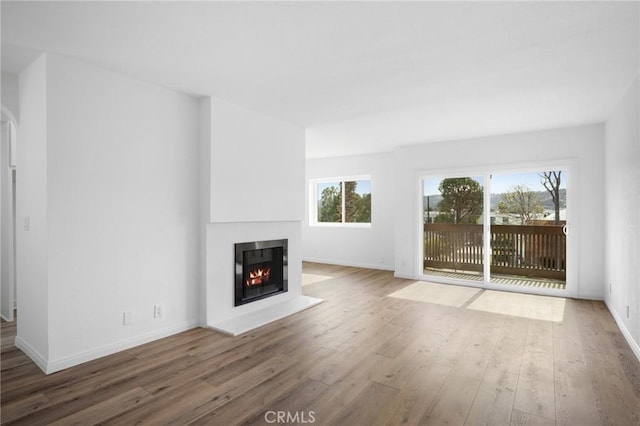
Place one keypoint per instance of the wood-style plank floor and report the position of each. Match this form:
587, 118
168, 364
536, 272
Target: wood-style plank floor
360, 358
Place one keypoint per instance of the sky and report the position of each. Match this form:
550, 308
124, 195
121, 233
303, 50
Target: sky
500, 183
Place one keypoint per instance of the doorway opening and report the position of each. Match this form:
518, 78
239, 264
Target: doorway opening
8, 212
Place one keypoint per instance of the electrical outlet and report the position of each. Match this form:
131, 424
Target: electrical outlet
610, 288
127, 318
627, 311
157, 311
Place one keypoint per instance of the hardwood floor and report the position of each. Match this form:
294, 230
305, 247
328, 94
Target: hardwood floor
360, 358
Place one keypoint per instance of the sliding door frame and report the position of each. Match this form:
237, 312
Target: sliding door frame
569, 165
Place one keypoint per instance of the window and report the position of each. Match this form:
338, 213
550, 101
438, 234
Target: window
341, 201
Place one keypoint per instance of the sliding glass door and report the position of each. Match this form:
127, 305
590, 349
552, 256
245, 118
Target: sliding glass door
453, 227
507, 229
528, 229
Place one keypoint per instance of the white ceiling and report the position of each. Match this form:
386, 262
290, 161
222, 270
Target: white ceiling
360, 76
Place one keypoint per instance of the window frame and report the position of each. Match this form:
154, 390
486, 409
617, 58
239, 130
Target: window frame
313, 201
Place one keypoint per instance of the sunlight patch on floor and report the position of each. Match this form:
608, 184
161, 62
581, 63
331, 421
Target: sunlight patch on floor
441, 294
521, 305
313, 278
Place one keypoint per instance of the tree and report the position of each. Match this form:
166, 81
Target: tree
362, 211
350, 200
461, 201
551, 181
357, 207
330, 206
522, 202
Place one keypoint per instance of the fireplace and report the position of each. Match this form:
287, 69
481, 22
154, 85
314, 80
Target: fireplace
260, 270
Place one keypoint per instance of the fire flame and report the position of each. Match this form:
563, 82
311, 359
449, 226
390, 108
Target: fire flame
258, 276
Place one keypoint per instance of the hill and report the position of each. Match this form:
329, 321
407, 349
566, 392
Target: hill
547, 201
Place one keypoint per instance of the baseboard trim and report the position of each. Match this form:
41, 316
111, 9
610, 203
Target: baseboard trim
81, 358
405, 276
635, 347
351, 264
35, 356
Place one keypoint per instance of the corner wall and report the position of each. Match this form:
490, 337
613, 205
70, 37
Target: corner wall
32, 218
121, 208
394, 234
622, 201
363, 247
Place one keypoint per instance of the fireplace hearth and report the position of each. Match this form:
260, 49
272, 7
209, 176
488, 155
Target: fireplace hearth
260, 270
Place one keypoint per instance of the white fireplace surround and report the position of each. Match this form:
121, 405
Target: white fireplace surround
221, 314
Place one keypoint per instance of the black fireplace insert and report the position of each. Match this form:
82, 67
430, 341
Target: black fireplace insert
260, 270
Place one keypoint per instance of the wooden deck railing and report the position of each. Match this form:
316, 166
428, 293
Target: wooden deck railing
536, 251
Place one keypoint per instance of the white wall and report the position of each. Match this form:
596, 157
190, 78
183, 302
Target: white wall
122, 208
10, 94
256, 162
32, 244
365, 247
622, 201
582, 145
257, 193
